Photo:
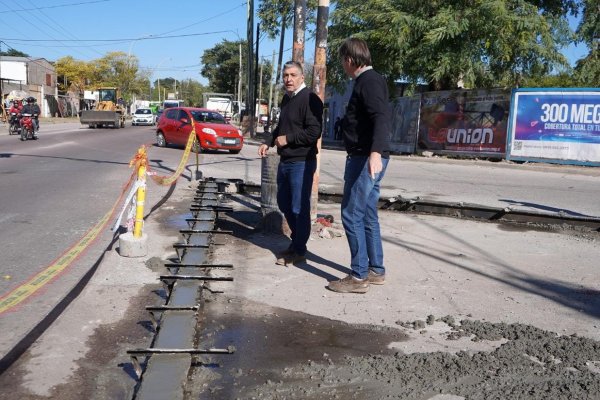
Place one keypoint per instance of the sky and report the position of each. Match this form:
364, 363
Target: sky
168, 38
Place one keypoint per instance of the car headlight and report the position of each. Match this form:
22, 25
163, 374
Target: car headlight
209, 131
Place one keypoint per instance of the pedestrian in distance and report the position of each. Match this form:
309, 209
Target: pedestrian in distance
337, 129
296, 135
366, 128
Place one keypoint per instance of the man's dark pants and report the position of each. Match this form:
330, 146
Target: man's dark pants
294, 187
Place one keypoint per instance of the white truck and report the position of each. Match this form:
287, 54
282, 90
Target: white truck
220, 102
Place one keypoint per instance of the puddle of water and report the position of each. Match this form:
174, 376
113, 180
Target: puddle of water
271, 341
179, 222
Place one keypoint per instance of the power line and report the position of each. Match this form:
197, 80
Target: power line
115, 40
57, 6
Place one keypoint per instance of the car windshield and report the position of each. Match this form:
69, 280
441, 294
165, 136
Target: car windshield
208, 116
144, 111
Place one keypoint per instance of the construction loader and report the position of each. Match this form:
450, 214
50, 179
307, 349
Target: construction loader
107, 111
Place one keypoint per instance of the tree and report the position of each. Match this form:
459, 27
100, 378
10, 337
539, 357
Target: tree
221, 65
191, 92
484, 43
272, 12
13, 53
75, 74
587, 70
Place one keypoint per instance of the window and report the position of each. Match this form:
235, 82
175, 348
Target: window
171, 114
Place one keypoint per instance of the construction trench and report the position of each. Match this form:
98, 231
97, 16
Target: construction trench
317, 358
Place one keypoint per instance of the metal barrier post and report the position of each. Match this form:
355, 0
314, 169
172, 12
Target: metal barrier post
140, 199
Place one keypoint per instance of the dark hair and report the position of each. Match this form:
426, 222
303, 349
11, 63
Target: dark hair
291, 64
357, 51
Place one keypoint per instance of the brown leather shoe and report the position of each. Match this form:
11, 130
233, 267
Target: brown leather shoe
376, 279
349, 284
290, 258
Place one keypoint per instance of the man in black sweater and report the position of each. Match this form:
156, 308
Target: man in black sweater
296, 136
366, 128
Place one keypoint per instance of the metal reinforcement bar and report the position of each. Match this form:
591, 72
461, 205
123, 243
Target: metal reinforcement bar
188, 265
195, 277
199, 219
210, 208
193, 231
135, 354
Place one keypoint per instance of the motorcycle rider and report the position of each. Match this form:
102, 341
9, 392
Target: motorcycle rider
32, 108
15, 108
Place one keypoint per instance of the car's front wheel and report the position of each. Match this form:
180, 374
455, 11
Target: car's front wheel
234, 151
160, 140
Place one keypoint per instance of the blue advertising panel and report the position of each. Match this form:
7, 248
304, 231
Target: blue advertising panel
555, 125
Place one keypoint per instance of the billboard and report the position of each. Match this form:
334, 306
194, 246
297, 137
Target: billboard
466, 122
555, 125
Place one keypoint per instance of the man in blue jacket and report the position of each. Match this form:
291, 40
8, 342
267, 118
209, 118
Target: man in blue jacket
366, 129
296, 136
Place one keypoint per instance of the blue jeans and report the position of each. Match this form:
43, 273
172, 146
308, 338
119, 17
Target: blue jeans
359, 216
294, 187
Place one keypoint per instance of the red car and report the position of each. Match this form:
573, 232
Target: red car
213, 132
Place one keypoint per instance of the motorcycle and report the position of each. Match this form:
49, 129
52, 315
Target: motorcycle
27, 127
14, 126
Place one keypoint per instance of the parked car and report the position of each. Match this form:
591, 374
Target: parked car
213, 132
143, 116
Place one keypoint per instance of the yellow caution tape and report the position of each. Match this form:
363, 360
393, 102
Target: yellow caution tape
168, 180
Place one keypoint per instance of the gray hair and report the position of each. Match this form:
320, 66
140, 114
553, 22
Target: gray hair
291, 64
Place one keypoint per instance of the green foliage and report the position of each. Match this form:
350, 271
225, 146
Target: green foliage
13, 53
74, 72
221, 66
587, 71
483, 43
272, 12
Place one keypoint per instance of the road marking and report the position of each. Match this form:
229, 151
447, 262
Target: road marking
21, 293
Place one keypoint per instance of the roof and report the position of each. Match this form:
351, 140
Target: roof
23, 59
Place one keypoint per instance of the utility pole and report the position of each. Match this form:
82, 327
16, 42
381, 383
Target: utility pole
318, 87
271, 92
284, 13
256, 73
299, 30
250, 89
240, 86
260, 82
